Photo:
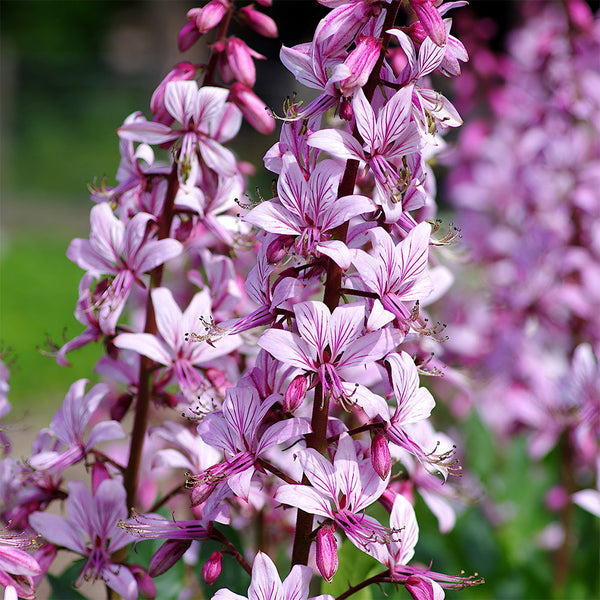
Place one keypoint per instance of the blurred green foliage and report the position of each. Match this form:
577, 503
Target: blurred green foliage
39, 292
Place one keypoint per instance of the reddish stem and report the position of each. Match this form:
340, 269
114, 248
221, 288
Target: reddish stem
142, 405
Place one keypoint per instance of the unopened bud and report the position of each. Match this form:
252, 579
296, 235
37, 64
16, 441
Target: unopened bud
423, 588
167, 555
381, 458
252, 107
210, 15
359, 64
277, 250
146, 587
259, 22
188, 36
431, 20
346, 110
326, 555
120, 407
580, 14
212, 568
240, 60
183, 71
99, 474
295, 394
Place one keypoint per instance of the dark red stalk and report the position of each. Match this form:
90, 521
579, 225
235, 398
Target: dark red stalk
142, 405
140, 422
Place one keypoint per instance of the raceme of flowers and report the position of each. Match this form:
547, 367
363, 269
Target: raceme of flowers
259, 363
527, 200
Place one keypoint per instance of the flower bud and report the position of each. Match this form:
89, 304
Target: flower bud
146, 587
359, 64
277, 250
210, 15
182, 71
212, 568
188, 36
252, 107
239, 57
99, 474
326, 555
346, 110
167, 555
423, 588
431, 20
295, 394
120, 407
557, 498
259, 22
580, 14
381, 458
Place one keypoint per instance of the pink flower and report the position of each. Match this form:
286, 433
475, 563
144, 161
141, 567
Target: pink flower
69, 424
124, 251
92, 530
17, 567
331, 345
396, 273
239, 431
206, 120
310, 210
340, 492
173, 349
267, 585
386, 139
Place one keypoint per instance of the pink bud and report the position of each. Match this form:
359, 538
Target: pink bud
252, 107
423, 588
167, 555
346, 111
431, 20
188, 36
265, 2
360, 63
557, 498
580, 14
239, 57
210, 15
212, 568
182, 71
295, 394
259, 22
277, 250
326, 555
380, 455
146, 586
120, 407
99, 474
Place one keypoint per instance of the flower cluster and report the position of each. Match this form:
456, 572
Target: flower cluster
265, 358
524, 183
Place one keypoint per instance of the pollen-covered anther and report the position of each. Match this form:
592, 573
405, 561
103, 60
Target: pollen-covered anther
424, 370
290, 109
452, 235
